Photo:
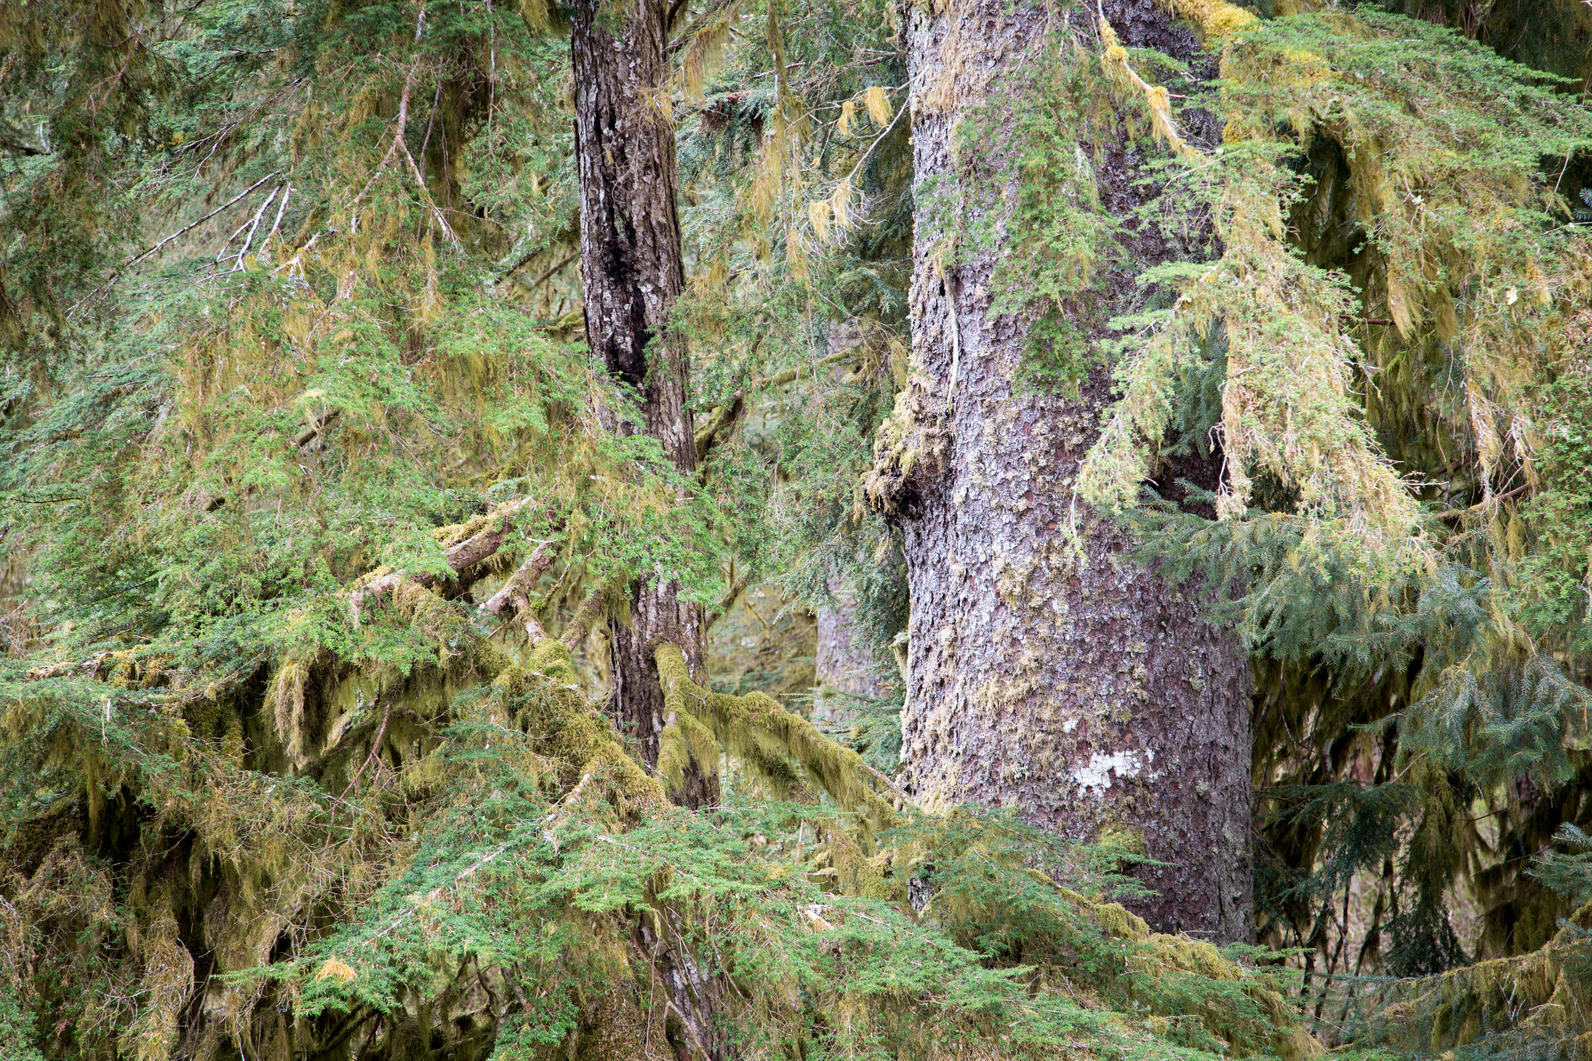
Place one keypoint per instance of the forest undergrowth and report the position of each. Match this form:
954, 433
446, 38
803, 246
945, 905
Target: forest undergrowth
321, 523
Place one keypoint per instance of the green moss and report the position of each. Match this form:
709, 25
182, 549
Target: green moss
754, 726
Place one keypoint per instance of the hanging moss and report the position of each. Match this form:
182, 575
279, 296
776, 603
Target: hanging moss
754, 725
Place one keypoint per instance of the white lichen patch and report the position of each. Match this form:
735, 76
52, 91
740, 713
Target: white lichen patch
1101, 771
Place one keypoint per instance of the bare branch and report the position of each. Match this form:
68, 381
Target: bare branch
460, 557
251, 225
287, 190
189, 228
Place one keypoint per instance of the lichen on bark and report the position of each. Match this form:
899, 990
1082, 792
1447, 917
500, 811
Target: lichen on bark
1048, 671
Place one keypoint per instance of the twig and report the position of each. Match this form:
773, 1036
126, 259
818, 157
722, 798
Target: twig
100, 290
375, 747
555, 267
876, 142
688, 1024
425, 196
399, 123
189, 228
298, 259
1461, 513
956, 337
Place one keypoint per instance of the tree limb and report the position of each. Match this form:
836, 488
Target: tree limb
190, 227
467, 552
514, 596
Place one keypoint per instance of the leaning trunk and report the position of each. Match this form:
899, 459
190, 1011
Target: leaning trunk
631, 266
1048, 671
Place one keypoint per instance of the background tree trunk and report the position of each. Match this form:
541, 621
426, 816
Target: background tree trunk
631, 266
843, 667
1072, 684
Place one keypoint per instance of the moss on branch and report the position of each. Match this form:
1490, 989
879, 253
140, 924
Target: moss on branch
753, 726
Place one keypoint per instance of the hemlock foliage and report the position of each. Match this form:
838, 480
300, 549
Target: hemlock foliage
316, 512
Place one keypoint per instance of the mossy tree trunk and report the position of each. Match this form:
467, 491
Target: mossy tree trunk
1047, 673
632, 272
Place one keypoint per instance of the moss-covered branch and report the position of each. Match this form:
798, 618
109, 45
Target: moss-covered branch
751, 726
1257, 1018
465, 546
1540, 999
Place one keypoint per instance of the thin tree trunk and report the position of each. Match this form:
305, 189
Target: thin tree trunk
631, 265
1072, 684
632, 272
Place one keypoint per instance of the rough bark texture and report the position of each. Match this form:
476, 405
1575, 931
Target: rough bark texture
1068, 682
632, 271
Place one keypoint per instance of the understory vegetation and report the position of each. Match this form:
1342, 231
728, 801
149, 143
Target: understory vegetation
320, 516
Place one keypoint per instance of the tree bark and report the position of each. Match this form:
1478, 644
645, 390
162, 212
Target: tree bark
632, 272
1050, 675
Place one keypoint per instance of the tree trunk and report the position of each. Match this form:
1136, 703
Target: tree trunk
1066, 681
842, 665
632, 272
631, 266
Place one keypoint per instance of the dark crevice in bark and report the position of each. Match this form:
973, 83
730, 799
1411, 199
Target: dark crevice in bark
632, 270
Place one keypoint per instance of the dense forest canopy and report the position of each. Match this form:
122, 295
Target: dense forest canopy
765, 528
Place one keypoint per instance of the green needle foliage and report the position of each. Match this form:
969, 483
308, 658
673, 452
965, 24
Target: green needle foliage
1392, 328
292, 390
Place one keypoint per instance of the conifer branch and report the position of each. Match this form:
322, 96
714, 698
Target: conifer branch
494, 529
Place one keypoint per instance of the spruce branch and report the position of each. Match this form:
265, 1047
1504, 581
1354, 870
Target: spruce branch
467, 552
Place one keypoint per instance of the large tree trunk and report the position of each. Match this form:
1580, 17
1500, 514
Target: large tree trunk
631, 265
1070, 683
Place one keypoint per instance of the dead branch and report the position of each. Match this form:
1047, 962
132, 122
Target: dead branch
190, 227
460, 556
248, 240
